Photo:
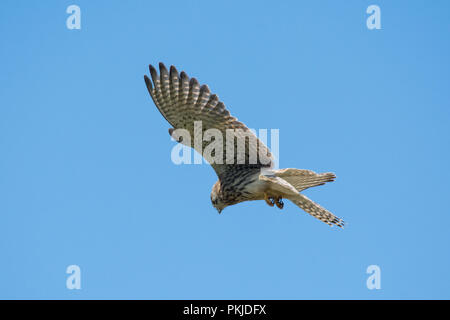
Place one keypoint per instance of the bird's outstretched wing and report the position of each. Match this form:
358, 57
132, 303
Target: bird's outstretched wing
303, 179
183, 101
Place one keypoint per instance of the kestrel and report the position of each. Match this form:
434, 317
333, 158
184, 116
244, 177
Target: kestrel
182, 102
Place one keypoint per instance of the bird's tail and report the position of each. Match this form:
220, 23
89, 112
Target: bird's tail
303, 179
317, 211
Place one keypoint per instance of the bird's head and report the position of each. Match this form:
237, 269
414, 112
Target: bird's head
216, 197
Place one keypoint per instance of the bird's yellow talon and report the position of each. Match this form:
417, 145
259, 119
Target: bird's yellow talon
279, 202
269, 200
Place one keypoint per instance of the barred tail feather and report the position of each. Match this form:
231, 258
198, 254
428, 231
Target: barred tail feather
317, 211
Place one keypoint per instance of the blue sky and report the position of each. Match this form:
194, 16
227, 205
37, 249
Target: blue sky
86, 176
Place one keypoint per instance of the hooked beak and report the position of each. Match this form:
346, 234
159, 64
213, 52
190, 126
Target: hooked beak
219, 210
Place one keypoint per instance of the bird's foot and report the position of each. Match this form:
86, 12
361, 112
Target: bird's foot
279, 202
269, 200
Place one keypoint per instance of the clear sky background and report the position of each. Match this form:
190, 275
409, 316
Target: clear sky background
86, 176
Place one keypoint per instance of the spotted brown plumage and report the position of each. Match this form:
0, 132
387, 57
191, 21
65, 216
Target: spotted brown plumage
184, 103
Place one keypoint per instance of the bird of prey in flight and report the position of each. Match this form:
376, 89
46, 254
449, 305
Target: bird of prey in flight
183, 101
